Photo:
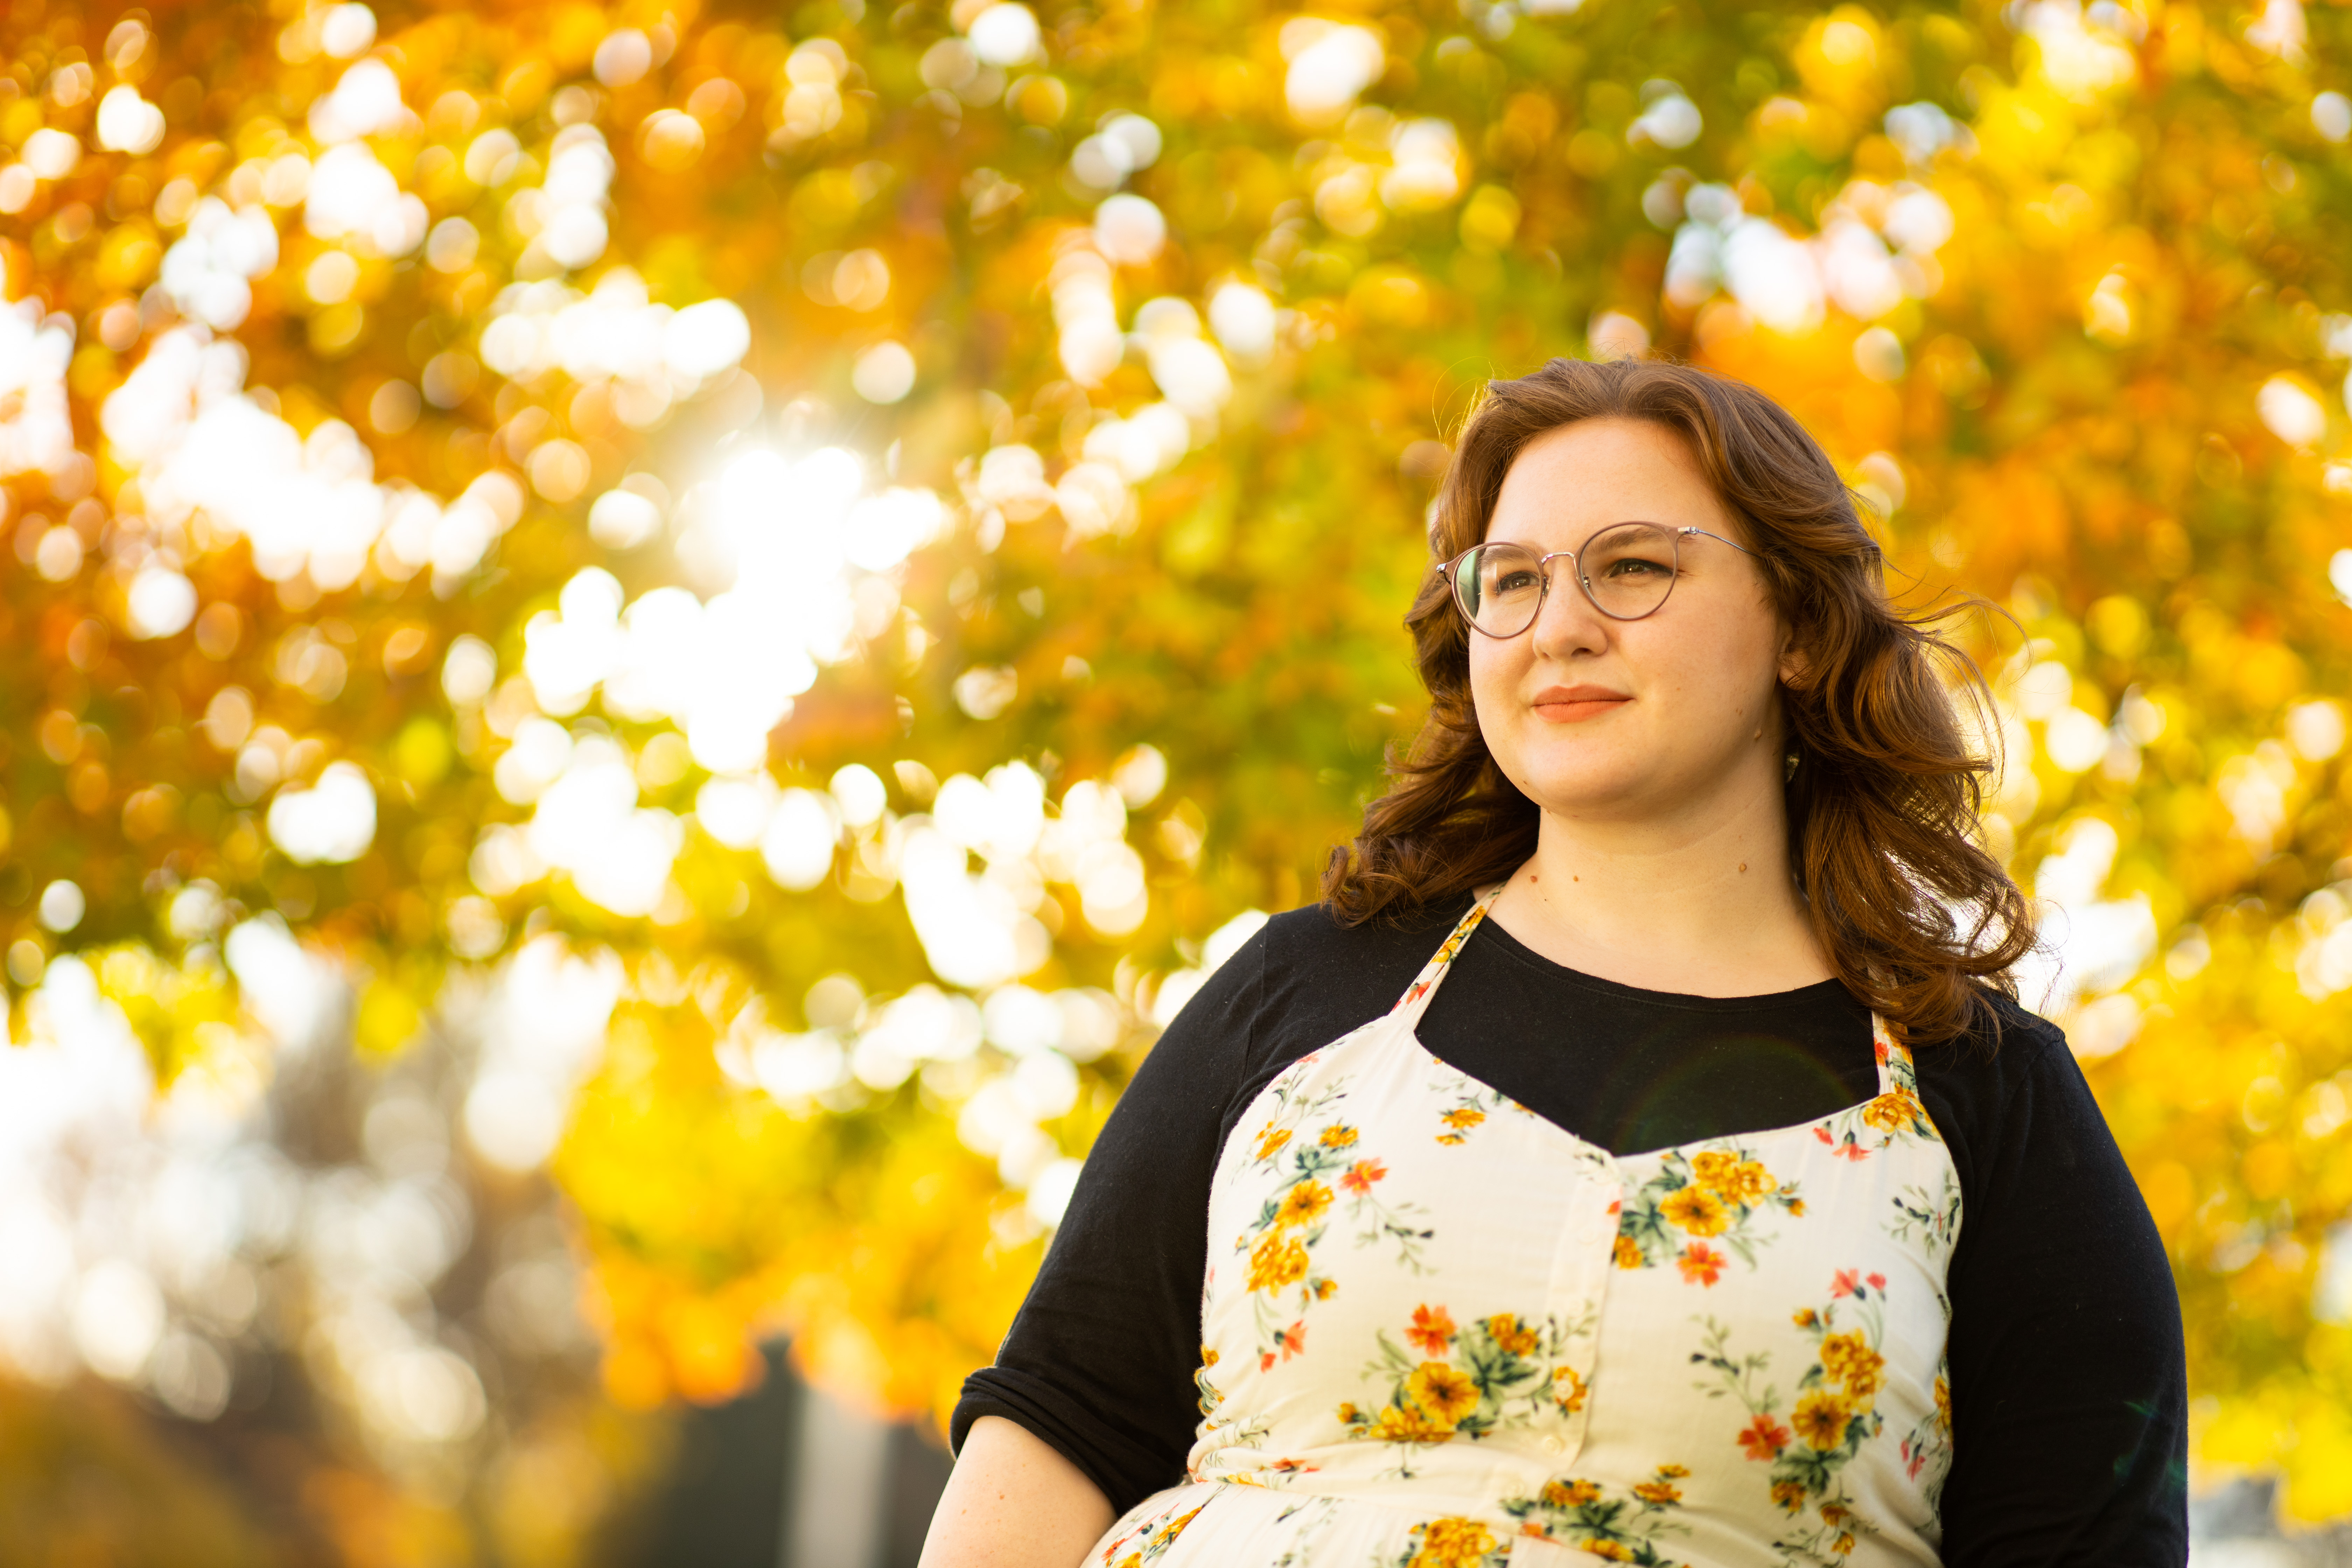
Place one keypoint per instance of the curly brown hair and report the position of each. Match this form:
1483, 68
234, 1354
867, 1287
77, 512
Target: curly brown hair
1916, 919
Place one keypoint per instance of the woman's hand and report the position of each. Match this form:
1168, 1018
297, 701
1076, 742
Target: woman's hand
1013, 1502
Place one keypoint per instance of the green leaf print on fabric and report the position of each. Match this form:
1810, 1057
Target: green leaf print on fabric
1473, 1104
1150, 1538
1624, 1527
1929, 1222
1311, 1173
1809, 1445
1503, 1370
1696, 1204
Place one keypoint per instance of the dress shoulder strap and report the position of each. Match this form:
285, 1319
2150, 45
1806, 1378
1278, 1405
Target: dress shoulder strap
1415, 1000
1897, 1072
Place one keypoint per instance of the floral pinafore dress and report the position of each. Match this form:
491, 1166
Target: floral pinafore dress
1439, 1332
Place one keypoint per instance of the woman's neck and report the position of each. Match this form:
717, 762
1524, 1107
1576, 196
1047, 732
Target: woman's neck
1701, 903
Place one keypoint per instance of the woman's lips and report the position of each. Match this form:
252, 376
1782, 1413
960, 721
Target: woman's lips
1574, 705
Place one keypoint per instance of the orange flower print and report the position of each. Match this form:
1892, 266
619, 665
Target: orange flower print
1270, 1140
1361, 1175
1804, 1317
1337, 1136
1789, 1495
1659, 1492
1700, 1264
1627, 1254
1763, 1439
1432, 1330
1303, 1205
1698, 1211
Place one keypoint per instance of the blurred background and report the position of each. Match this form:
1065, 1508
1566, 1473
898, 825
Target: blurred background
646, 644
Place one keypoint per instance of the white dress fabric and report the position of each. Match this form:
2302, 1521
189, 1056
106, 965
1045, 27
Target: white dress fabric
1440, 1332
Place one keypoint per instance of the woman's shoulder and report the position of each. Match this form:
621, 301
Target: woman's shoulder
2012, 1072
1314, 934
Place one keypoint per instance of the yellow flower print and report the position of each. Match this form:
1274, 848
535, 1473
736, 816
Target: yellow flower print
1337, 1136
1805, 1317
1303, 1205
1733, 1179
1698, 1211
1659, 1492
1270, 1142
1789, 1495
1627, 1254
1713, 1168
1944, 1401
1511, 1337
1797, 1208
1674, 1472
1614, 1551
1324, 1289
1453, 1543
1275, 1262
1843, 1544
1461, 1118
1893, 1111
1821, 1419
1570, 1494
1443, 1390
1567, 1389
1849, 1359
1404, 1423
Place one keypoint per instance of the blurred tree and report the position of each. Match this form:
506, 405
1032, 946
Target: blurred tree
737, 609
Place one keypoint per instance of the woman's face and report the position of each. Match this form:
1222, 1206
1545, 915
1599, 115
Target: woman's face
1595, 717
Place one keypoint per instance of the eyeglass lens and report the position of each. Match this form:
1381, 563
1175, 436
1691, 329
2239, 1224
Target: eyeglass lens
1626, 571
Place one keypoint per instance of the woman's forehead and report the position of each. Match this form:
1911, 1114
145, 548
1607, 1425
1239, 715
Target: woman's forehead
1568, 481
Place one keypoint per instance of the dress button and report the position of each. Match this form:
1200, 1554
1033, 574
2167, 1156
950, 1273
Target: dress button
1553, 1444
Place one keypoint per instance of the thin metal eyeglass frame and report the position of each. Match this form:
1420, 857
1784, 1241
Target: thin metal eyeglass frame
1543, 566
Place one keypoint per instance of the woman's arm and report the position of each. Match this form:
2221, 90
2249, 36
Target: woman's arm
2069, 1396
1012, 1501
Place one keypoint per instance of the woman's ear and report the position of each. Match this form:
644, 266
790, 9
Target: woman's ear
1796, 666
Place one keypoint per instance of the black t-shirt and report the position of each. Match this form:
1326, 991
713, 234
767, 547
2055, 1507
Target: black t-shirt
2069, 1393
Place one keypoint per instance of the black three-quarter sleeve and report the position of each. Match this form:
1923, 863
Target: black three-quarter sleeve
2069, 1391
1099, 1360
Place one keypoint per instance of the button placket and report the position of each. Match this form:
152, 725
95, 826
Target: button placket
1579, 1278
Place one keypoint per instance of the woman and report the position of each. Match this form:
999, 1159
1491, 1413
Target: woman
1638, 1153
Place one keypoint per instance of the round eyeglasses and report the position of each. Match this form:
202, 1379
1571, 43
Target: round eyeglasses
1626, 570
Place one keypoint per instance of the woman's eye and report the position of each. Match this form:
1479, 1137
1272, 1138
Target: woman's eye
1515, 582
1635, 568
